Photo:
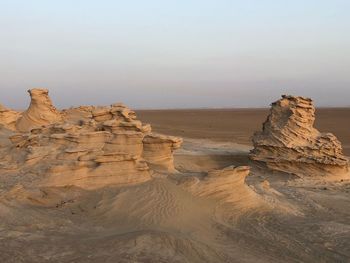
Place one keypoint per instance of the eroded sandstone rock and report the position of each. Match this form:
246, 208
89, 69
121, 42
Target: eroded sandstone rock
40, 112
89, 147
159, 149
288, 141
8, 117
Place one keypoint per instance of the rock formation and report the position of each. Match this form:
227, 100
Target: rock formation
288, 141
8, 117
40, 112
158, 151
89, 147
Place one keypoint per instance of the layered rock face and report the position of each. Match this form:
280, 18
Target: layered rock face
158, 151
8, 117
89, 147
40, 112
288, 141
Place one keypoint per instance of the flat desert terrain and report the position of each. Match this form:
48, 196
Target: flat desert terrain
237, 125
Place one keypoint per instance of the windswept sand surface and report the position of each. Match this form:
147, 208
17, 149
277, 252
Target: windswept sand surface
210, 211
237, 125
276, 218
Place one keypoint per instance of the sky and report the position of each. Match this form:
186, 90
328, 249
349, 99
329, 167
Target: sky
175, 54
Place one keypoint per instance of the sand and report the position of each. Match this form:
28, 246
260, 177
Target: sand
273, 219
237, 125
209, 211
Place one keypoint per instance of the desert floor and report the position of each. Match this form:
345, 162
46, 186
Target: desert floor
237, 125
274, 218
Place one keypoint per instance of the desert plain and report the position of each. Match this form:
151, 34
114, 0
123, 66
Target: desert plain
95, 184
237, 125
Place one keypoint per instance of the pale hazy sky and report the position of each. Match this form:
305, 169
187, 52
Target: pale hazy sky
180, 53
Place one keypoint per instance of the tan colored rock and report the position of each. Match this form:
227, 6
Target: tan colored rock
100, 171
79, 157
288, 141
129, 142
40, 112
158, 151
8, 117
89, 147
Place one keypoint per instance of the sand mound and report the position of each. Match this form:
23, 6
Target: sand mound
226, 185
89, 147
288, 141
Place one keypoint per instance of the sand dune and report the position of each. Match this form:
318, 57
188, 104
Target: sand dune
95, 185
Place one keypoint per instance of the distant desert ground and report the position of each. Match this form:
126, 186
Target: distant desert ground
237, 125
